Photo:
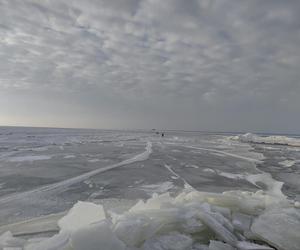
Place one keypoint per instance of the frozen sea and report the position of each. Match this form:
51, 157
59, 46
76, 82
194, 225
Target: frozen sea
45, 171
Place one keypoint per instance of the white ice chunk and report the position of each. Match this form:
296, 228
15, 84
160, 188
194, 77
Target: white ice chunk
81, 215
135, 229
280, 228
172, 241
96, 236
273, 186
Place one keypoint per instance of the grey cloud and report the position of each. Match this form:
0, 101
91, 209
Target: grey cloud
195, 64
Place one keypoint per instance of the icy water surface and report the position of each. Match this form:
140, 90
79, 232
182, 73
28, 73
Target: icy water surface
46, 171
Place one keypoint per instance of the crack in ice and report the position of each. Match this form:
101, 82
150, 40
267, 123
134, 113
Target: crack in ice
66, 183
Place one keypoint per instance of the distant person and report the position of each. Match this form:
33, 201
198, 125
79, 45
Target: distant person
162, 134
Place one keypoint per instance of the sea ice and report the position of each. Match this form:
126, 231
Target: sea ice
57, 242
140, 227
218, 245
96, 236
279, 227
275, 139
29, 158
287, 163
241, 222
192, 220
244, 245
7, 241
221, 231
172, 241
81, 214
158, 188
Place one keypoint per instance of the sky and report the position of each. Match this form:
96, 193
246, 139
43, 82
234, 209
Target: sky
217, 65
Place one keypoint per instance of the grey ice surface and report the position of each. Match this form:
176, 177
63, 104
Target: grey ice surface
44, 171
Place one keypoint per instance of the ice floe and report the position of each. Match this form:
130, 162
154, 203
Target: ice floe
192, 220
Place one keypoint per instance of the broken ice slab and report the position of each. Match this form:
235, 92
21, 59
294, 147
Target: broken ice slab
222, 232
244, 202
279, 227
81, 215
96, 236
133, 230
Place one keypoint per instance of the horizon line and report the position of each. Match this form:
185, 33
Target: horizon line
151, 130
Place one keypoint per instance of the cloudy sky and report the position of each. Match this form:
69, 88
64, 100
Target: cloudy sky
225, 65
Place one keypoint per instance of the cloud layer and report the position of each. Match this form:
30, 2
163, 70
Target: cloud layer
193, 64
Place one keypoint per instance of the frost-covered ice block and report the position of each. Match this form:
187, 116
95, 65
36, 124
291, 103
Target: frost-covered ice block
81, 215
280, 228
172, 241
218, 245
96, 236
244, 245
